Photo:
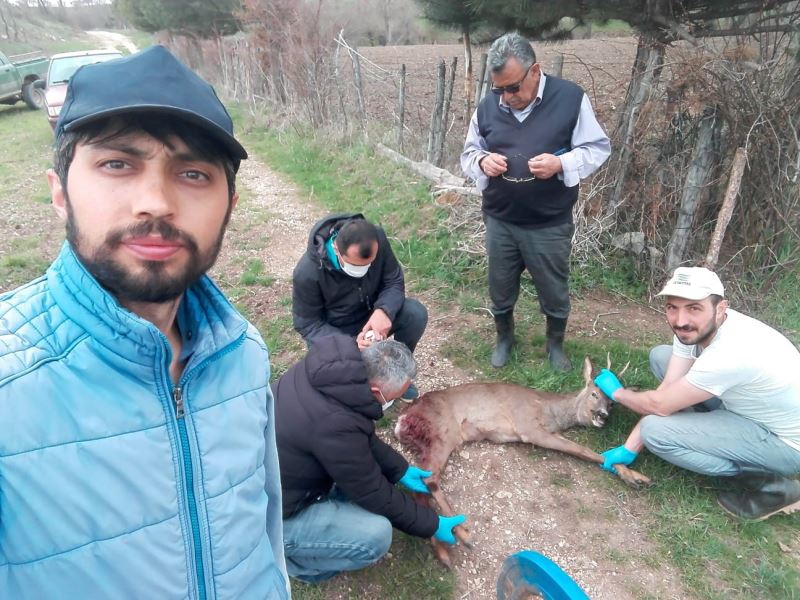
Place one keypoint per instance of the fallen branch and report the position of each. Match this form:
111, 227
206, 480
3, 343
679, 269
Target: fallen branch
441, 177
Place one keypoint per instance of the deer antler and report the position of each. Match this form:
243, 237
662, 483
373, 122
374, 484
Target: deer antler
608, 365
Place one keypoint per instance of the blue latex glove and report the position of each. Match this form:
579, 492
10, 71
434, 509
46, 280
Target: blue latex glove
413, 479
608, 383
445, 531
615, 456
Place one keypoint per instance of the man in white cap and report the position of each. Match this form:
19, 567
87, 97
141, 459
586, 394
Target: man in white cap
728, 403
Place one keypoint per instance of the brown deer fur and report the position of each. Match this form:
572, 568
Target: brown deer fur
441, 421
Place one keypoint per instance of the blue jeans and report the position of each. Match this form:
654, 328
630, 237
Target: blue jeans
332, 536
714, 441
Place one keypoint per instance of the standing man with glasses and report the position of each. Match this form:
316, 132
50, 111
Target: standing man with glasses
529, 144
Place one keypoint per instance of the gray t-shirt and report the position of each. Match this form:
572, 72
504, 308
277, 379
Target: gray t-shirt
754, 370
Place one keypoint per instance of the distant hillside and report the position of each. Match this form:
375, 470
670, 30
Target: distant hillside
28, 29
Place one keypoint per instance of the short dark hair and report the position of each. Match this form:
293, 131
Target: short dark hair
510, 45
159, 127
715, 300
359, 232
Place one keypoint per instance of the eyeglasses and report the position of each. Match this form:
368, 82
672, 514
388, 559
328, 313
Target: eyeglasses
513, 88
517, 158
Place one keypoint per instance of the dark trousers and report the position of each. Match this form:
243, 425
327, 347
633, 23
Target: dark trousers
408, 325
543, 252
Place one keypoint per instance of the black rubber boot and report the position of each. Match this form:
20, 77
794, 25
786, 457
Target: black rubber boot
559, 361
775, 494
504, 324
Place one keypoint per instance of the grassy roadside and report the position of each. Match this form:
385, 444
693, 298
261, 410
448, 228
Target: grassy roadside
718, 558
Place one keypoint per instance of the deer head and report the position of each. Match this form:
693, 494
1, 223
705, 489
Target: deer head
591, 405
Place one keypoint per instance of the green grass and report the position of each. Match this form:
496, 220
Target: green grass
717, 557
24, 157
254, 274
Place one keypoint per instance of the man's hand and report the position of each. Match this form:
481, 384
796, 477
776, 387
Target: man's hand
380, 323
616, 456
366, 338
544, 166
445, 531
413, 479
494, 164
608, 383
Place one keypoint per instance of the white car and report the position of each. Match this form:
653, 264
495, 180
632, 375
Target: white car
62, 66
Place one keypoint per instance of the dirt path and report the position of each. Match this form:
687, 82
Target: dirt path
111, 41
556, 505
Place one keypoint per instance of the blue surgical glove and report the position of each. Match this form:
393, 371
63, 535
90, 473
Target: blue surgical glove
413, 479
616, 456
608, 383
444, 533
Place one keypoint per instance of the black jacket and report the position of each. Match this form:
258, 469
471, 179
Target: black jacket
324, 413
326, 301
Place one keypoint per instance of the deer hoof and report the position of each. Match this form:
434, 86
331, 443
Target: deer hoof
633, 478
462, 533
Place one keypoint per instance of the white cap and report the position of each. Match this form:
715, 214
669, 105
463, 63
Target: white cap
693, 283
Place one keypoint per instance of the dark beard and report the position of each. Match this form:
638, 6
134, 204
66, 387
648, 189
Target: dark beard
155, 285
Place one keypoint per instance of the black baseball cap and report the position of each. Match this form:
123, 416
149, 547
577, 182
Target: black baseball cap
150, 81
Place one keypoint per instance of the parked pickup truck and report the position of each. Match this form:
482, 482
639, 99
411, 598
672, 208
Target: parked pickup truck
23, 79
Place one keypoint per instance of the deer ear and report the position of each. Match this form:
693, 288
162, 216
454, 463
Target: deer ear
587, 370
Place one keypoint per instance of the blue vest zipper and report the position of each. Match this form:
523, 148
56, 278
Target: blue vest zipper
194, 521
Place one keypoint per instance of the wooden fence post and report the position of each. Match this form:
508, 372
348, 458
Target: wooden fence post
725, 213
479, 89
359, 87
339, 44
448, 97
436, 113
558, 64
402, 108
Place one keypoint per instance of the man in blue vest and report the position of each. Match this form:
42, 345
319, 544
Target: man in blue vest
529, 144
137, 452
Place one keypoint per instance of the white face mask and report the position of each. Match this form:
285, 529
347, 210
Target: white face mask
386, 405
357, 271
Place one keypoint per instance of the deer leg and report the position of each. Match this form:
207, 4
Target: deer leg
556, 442
461, 532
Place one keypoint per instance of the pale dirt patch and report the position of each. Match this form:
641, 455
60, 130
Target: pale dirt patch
572, 512
109, 40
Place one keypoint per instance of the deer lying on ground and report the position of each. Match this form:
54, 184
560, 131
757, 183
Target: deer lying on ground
441, 421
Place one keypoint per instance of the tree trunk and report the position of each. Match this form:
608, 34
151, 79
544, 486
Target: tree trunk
644, 79
693, 187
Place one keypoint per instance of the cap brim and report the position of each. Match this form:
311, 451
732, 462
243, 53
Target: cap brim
680, 291
235, 150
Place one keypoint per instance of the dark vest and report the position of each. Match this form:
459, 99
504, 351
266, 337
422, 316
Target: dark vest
548, 128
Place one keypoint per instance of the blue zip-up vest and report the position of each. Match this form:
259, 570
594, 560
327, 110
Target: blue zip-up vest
115, 483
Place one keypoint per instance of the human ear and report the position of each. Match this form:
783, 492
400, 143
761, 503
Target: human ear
57, 194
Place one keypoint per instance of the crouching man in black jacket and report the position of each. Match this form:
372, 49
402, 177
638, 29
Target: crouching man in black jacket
349, 282
339, 498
